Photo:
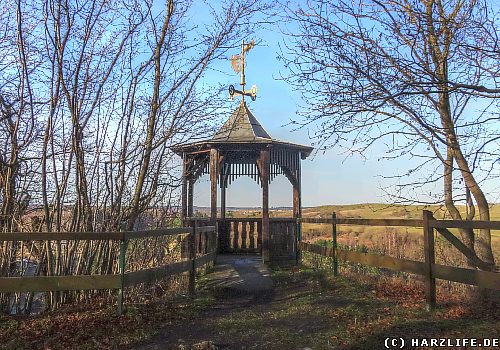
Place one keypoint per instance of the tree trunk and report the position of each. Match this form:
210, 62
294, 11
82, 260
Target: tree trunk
481, 246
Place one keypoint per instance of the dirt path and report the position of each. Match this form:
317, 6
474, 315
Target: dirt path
239, 306
238, 283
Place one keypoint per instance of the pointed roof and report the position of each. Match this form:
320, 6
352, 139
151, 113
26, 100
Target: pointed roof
242, 126
242, 131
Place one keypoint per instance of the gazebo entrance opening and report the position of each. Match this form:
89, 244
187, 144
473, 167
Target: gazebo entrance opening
242, 147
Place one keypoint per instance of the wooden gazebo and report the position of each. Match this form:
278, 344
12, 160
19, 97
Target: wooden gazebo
242, 147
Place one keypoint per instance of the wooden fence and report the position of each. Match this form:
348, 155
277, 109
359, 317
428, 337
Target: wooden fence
428, 268
240, 235
200, 249
244, 235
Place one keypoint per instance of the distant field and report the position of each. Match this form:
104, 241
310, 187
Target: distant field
366, 210
394, 241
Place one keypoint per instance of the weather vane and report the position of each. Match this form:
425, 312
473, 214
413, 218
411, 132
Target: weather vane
238, 64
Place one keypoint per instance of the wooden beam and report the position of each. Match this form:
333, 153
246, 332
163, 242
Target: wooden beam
190, 196
192, 257
288, 174
334, 245
474, 224
369, 259
297, 210
223, 201
297, 214
429, 255
57, 236
184, 199
482, 279
203, 229
59, 283
457, 243
91, 236
157, 233
264, 162
155, 273
204, 259
366, 222
214, 172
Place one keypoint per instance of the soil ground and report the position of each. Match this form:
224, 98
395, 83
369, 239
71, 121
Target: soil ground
305, 309
244, 305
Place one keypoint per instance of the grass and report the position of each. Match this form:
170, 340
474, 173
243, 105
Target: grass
404, 242
309, 309
313, 310
90, 327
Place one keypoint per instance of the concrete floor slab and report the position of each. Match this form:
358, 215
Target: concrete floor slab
242, 274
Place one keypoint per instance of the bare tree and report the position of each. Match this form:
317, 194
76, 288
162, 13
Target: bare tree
420, 76
92, 96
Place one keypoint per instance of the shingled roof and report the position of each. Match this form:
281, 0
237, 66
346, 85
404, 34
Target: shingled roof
242, 126
241, 130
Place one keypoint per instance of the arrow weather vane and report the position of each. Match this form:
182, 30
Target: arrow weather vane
238, 64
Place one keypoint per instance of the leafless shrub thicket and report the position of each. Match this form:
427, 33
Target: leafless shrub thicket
92, 96
417, 78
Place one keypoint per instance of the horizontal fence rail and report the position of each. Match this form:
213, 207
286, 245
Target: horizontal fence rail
478, 278
429, 269
365, 222
476, 224
244, 235
206, 246
94, 236
59, 283
368, 259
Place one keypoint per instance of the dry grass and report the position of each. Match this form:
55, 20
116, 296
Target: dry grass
387, 240
399, 242
309, 309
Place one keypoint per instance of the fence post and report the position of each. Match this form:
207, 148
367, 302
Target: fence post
192, 257
298, 238
215, 241
121, 267
334, 245
430, 282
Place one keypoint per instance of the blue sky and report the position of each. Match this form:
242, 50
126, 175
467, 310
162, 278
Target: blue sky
327, 177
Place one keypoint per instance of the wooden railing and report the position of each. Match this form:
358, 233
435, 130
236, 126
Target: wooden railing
244, 235
428, 268
284, 238
200, 249
240, 235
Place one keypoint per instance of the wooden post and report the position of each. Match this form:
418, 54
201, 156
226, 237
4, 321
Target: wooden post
190, 196
244, 237
264, 159
121, 267
296, 201
184, 190
223, 202
236, 235
214, 165
430, 282
215, 241
334, 245
298, 235
297, 207
192, 257
297, 214
251, 236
